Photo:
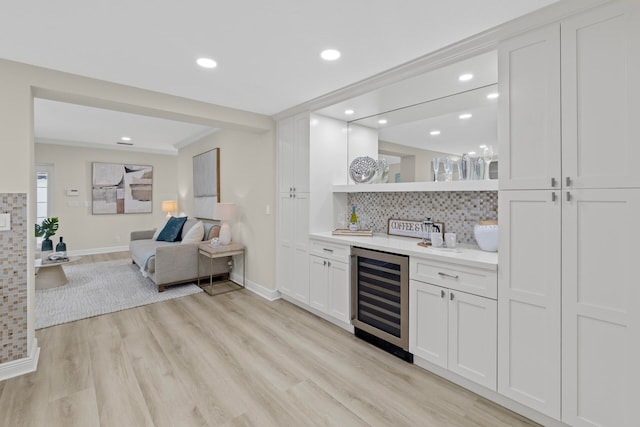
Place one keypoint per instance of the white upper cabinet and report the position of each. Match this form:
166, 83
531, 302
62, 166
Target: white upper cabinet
529, 110
293, 154
601, 98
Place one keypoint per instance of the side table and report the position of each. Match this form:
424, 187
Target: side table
212, 252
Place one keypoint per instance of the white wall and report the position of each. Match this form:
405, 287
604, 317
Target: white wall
247, 178
363, 141
83, 231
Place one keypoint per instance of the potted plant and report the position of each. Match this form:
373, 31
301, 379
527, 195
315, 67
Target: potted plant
47, 229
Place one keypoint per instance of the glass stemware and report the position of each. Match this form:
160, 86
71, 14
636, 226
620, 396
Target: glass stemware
488, 157
448, 165
436, 166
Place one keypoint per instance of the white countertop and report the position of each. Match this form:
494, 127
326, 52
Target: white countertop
465, 254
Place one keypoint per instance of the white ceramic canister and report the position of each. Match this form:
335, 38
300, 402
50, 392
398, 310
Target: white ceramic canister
486, 234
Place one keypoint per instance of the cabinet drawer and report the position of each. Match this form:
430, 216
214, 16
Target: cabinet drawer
330, 251
473, 280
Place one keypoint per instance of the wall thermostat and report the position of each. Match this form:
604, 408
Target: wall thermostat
73, 192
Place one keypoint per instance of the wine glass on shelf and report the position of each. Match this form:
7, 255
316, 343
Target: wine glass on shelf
436, 167
448, 166
488, 157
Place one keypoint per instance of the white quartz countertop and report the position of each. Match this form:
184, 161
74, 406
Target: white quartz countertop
464, 254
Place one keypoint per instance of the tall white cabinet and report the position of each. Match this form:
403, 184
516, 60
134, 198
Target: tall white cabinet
569, 299
292, 257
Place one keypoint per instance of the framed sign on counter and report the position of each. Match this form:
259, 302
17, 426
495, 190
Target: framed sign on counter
411, 228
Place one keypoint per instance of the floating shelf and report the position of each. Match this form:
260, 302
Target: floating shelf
395, 187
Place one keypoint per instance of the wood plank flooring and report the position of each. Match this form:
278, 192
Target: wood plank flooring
230, 360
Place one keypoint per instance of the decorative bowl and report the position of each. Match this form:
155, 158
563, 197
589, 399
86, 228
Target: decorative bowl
486, 234
362, 169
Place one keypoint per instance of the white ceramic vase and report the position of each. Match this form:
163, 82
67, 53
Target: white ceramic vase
486, 234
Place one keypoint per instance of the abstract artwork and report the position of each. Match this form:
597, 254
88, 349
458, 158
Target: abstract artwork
206, 183
122, 188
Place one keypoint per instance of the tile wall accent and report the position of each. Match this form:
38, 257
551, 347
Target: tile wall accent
459, 210
13, 279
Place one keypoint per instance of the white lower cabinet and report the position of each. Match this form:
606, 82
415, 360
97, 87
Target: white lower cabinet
329, 285
454, 330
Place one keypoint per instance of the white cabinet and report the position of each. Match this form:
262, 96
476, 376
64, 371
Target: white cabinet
293, 245
601, 307
450, 328
601, 98
293, 154
529, 304
329, 283
292, 252
529, 110
568, 301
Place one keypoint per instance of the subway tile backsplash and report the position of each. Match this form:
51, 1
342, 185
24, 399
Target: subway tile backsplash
459, 210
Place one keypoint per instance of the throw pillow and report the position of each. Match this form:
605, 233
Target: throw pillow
195, 234
214, 232
159, 229
171, 231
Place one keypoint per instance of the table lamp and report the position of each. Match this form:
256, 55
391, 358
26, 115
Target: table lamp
225, 212
169, 206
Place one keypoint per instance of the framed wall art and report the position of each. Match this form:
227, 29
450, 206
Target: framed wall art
121, 188
206, 183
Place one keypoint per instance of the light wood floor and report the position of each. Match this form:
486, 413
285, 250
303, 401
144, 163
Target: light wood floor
230, 360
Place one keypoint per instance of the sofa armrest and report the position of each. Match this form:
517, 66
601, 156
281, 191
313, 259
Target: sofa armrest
141, 235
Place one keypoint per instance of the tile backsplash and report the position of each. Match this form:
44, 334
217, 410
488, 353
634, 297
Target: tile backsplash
458, 210
13, 279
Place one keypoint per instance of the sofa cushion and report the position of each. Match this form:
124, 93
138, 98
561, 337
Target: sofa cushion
172, 232
195, 233
143, 252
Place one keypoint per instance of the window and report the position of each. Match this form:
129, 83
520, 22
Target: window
44, 175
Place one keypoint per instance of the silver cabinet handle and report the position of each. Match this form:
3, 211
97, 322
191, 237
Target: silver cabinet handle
290, 195
553, 196
568, 181
294, 189
442, 294
451, 296
568, 196
328, 250
329, 263
294, 195
553, 182
324, 262
290, 188
448, 275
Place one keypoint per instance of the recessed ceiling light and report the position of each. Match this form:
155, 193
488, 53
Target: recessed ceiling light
349, 112
465, 77
125, 138
382, 121
483, 146
434, 132
493, 95
465, 116
207, 63
330, 54
471, 153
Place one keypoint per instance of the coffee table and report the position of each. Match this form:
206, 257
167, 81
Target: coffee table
52, 275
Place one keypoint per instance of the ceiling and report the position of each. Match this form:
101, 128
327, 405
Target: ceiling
267, 52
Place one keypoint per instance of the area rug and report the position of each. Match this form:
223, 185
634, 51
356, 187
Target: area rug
100, 288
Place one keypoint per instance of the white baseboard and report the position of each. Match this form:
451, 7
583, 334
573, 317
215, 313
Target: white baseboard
266, 293
488, 394
93, 251
346, 326
21, 366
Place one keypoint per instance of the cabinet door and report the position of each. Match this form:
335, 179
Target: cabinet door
601, 98
529, 110
472, 351
285, 154
284, 255
339, 291
318, 283
529, 299
301, 153
428, 322
300, 237
601, 308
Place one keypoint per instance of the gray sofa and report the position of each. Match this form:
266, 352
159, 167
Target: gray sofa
172, 263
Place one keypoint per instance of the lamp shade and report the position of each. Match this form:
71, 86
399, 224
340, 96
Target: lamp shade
225, 211
169, 206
